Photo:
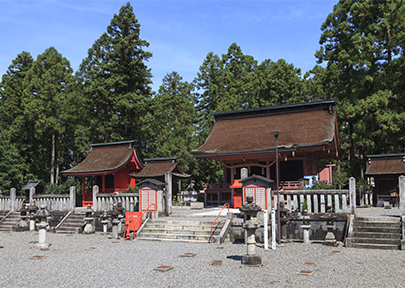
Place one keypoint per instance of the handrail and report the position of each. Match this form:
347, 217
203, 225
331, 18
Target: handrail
218, 217
147, 209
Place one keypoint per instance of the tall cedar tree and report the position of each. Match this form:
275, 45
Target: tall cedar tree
362, 42
173, 121
12, 111
46, 87
114, 83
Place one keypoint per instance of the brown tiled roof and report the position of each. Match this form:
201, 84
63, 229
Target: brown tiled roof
386, 165
104, 158
254, 133
159, 167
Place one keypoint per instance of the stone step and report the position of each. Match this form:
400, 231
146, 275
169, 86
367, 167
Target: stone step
376, 224
377, 241
176, 231
372, 235
376, 229
184, 222
204, 238
170, 240
375, 246
378, 219
183, 227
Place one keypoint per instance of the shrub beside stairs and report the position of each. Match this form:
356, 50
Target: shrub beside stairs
178, 230
374, 233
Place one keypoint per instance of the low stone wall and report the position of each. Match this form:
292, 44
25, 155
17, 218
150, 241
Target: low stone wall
294, 231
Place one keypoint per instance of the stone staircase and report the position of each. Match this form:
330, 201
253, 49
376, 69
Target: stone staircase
11, 221
73, 224
376, 233
180, 230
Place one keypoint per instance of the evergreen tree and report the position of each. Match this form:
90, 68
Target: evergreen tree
361, 43
46, 86
173, 124
10, 168
115, 83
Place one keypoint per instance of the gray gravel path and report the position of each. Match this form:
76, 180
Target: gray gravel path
96, 261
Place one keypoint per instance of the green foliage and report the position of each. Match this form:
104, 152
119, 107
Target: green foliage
10, 168
61, 189
172, 121
361, 43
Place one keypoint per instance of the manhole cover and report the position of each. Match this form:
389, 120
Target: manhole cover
306, 272
188, 255
37, 257
217, 262
163, 268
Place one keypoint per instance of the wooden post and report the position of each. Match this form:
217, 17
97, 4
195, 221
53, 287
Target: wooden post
401, 185
13, 196
352, 191
168, 180
72, 198
95, 192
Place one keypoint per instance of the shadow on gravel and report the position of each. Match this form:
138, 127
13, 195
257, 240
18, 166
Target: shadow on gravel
235, 257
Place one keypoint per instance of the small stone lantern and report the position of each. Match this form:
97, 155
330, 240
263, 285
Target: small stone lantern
283, 223
114, 221
121, 218
22, 225
305, 227
88, 229
330, 217
250, 210
104, 221
32, 210
42, 218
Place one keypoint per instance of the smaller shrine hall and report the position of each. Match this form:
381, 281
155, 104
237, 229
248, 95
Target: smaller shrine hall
110, 164
383, 172
164, 172
306, 133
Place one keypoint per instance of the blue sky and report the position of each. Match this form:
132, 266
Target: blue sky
181, 33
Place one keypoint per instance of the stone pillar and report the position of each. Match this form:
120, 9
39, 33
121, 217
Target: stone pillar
168, 180
95, 192
352, 191
361, 192
72, 198
401, 185
32, 193
13, 194
243, 173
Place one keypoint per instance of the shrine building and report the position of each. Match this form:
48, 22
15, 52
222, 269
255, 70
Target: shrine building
307, 133
111, 165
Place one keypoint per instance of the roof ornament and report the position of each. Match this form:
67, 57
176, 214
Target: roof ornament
129, 146
330, 109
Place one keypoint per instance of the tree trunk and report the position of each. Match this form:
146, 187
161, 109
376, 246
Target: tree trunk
53, 159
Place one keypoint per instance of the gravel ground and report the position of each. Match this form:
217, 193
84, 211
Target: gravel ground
97, 261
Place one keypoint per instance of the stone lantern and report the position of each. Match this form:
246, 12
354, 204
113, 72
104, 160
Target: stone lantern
114, 221
104, 221
330, 218
88, 229
250, 224
32, 210
283, 223
22, 225
121, 218
42, 218
305, 227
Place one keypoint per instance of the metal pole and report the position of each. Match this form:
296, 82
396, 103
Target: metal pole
278, 196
